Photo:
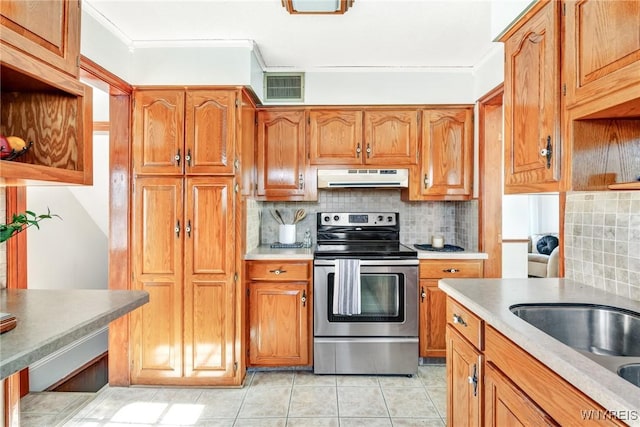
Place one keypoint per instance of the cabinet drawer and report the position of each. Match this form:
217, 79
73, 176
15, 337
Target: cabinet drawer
440, 269
465, 322
284, 271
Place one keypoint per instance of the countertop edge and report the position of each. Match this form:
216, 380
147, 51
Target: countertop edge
592, 379
21, 360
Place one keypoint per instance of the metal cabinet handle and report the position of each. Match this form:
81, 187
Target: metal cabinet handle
426, 181
423, 294
450, 270
459, 320
177, 157
546, 152
277, 272
187, 158
188, 228
301, 181
177, 228
304, 298
473, 379
358, 150
368, 150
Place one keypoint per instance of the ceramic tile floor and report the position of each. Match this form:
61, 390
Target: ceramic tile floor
271, 398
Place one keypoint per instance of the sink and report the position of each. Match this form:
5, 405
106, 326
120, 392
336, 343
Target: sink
607, 335
597, 329
631, 373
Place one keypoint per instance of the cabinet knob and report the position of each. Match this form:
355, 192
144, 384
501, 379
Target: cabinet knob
358, 149
187, 158
177, 228
177, 157
473, 379
450, 270
301, 181
277, 272
426, 181
188, 228
368, 150
304, 298
546, 152
459, 320
423, 294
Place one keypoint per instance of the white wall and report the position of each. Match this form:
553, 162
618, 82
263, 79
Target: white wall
544, 213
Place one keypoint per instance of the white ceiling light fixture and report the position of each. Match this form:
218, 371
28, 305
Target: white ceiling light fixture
317, 6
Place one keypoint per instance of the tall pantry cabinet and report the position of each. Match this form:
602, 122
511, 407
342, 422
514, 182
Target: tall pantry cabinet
185, 206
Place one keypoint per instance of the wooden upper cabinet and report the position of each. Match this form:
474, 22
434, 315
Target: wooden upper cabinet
210, 131
46, 30
446, 158
531, 102
335, 137
281, 155
601, 48
363, 137
391, 137
158, 132
177, 131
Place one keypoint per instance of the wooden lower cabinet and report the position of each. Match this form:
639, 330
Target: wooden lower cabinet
432, 308
183, 255
464, 382
507, 405
280, 313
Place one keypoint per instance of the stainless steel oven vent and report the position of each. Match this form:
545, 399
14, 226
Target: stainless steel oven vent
284, 86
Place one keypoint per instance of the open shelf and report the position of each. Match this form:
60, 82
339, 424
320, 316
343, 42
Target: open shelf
52, 109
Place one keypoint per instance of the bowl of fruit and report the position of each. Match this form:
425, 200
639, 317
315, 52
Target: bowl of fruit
12, 147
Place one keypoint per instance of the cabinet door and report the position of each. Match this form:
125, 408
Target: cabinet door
447, 154
281, 155
210, 132
531, 103
156, 328
209, 302
335, 137
602, 47
391, 137
279, 323
46, 30
158, 132
464, 381
433, 322
506, 405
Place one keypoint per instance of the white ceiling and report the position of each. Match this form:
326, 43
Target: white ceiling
373, 33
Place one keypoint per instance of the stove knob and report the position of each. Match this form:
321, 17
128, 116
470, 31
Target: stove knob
390, 218
336, 217
326, 218
380, 217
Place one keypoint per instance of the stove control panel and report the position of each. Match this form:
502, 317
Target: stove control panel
369, 219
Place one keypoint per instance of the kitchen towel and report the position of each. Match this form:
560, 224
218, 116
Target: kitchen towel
346, 287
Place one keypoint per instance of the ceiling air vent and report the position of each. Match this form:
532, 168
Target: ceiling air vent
284, 86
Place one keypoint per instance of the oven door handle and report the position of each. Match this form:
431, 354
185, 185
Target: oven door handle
371, 262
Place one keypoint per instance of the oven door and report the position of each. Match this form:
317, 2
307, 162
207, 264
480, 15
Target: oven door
388, 300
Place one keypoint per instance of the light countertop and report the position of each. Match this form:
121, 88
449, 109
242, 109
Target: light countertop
48, 320
490, 299
265, 252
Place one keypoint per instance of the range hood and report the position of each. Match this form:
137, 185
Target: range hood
363, 178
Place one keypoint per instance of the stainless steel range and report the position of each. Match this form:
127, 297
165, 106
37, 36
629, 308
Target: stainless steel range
365, 296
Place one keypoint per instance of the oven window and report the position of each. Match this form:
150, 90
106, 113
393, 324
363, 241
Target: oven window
381, 299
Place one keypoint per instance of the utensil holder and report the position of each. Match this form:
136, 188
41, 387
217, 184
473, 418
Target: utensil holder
287, 233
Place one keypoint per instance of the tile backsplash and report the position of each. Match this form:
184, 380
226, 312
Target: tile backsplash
602, 240
419, 221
